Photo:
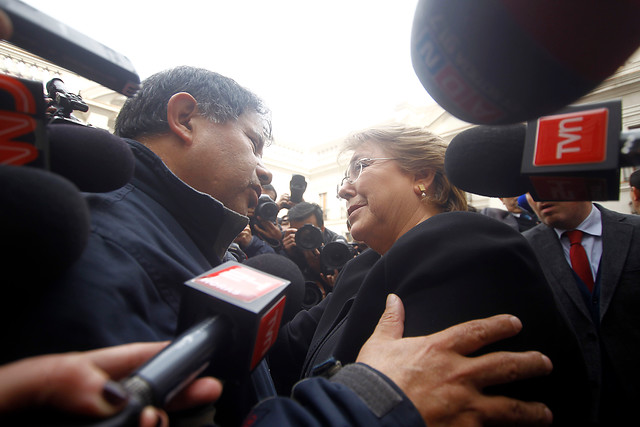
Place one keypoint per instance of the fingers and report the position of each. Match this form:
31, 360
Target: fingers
200, 392
503, 411
153, 417
69, 382
390, 327
391, 323
6, 26
506, 367
470, 336
120, 361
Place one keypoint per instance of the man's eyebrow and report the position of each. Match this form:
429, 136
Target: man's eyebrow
256, 137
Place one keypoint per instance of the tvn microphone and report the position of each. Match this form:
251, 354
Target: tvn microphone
486, 160
231, 316
574, 154
496, 62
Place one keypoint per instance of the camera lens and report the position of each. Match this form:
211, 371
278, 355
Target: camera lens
267, 209
335, 255
309, 237
313, 294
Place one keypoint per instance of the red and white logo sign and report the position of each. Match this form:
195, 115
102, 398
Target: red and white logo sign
267, 331
572, 138
241, 282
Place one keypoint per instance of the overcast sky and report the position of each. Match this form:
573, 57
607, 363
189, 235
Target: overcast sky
323, 67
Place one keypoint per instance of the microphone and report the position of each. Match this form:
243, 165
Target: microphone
283, 267
495, 62
486, 160
44, 36
93, 159
572, 155
45, 222
230, 317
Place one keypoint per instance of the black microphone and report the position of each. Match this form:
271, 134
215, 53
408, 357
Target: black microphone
44, 36
502, 62
230, 317
486, 160
93, 159
44, 224
575, 154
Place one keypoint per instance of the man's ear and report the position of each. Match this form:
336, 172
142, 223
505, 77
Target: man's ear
635, 194
181, 109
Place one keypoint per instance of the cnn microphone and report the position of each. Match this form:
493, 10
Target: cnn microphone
574, 154
495, 62
93, 159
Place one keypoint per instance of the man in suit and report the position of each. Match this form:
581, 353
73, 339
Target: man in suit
604, 314
515, 216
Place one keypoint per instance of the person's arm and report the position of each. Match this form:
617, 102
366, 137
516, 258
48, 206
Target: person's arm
83, 383
411, 381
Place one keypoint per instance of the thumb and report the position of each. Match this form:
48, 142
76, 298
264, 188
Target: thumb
391, 323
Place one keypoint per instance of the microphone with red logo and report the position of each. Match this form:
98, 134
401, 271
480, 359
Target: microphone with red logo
574, 154
231, 316
495, 62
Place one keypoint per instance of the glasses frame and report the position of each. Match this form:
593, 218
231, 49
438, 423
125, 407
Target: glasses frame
360, 162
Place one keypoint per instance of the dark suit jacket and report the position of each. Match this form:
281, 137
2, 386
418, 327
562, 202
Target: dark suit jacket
521, 223
615, 343
449, 269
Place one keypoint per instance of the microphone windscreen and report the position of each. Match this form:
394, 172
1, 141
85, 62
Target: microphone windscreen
44, 223
93, 159
503, 62
281, 266
486, 160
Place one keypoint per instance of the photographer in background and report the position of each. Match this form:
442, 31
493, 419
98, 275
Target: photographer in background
303, 242
266, 232
297, 187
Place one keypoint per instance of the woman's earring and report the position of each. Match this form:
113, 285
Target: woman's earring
423, 189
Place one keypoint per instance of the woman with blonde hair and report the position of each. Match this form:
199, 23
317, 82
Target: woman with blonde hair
446, 264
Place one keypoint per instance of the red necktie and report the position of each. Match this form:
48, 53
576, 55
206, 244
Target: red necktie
579, 260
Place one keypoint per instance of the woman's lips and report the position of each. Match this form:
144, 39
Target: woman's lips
353, 208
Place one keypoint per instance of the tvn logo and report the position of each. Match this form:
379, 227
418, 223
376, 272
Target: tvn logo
572, 138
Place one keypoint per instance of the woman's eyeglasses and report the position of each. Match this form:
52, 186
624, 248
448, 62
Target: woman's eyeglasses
355, 168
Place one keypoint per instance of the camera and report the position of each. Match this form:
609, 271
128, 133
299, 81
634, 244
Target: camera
297, 186
335, 255
313, 293
266, 209
63, 103
309, 237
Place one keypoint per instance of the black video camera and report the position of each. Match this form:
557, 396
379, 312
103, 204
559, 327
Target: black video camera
63, 103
